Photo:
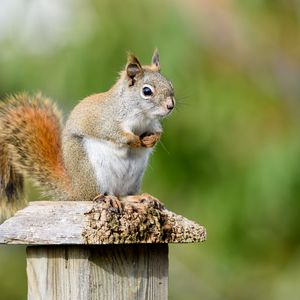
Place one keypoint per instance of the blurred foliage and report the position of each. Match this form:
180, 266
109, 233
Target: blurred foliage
229, 157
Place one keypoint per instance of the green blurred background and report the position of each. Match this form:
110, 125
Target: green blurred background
229, 157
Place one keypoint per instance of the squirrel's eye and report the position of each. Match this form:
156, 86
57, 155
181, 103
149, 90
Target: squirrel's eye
147, 91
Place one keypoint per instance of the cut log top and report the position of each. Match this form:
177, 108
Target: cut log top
95, 223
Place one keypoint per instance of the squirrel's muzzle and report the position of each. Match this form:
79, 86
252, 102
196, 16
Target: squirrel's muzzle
170, 103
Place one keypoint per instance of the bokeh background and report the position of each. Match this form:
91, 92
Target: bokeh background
230, 155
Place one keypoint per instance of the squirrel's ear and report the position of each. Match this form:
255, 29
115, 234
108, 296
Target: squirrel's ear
155, 59
133, 67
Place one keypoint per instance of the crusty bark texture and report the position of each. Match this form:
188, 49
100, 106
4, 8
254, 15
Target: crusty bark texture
141, 220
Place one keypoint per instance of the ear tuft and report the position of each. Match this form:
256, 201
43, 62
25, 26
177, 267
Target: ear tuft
133, 67
155, 60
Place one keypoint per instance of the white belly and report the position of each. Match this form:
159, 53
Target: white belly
118, 170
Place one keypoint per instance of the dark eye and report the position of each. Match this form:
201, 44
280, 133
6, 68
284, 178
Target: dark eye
147, 91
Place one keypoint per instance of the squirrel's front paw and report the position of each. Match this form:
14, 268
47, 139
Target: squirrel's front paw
150, 140
133, 141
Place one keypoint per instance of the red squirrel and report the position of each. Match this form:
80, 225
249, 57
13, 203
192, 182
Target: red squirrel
103, 149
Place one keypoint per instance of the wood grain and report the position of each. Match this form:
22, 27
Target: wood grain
55, 272
98, 272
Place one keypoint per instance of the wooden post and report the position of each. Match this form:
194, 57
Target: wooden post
88, 250
98, 272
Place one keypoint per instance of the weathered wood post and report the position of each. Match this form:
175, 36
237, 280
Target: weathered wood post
91, 250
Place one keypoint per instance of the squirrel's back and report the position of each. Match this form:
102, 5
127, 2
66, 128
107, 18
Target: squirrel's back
30, 145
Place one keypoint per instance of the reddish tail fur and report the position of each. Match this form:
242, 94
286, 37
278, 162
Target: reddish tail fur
30, 145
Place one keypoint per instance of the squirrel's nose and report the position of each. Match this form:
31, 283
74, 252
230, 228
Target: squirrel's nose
170, 103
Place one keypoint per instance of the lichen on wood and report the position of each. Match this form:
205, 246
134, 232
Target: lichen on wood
138, 222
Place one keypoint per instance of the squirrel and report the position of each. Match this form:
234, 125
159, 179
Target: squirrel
103, 149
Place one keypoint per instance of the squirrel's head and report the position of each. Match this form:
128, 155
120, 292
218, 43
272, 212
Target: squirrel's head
150, 91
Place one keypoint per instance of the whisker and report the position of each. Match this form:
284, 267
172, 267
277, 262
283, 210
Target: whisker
182, 98
182, 103
164, 147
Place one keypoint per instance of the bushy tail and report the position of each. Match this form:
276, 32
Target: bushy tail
30, 145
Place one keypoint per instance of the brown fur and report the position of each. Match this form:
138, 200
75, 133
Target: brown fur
30, 144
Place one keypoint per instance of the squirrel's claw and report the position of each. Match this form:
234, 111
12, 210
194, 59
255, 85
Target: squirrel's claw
145, 197
99, 198
136, 202
113, 201
146, 200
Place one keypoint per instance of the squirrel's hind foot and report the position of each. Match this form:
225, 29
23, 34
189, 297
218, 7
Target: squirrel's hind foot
144, 200
112, 201
136, 202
